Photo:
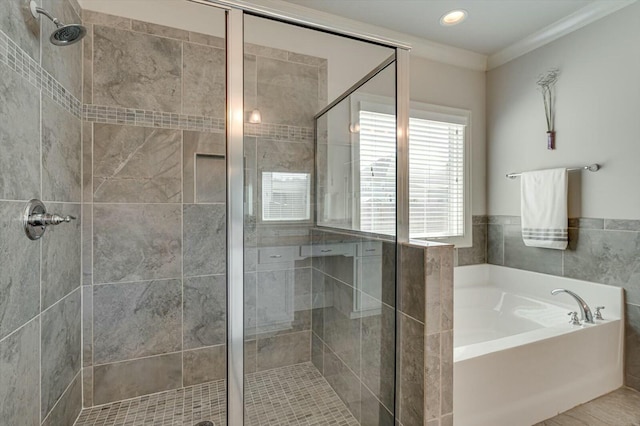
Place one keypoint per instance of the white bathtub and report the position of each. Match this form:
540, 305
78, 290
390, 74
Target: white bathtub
517, 360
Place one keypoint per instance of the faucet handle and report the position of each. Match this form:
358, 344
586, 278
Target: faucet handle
598, 314
574, 318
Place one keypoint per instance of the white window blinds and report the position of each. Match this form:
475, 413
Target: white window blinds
286, 196
436, 176
377, 172
436, 179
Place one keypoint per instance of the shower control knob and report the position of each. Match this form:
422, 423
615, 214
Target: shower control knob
48, 219
598, 314
574, 318
36, 219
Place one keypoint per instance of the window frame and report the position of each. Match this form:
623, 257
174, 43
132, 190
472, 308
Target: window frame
425, 111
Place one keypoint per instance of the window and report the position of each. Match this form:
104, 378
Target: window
436, 179
377, 172
439, 206
286, 196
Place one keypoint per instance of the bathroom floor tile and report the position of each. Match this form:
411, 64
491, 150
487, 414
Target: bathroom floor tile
283, 396
619, 408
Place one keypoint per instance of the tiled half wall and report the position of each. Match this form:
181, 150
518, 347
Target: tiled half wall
353, 342
425, 335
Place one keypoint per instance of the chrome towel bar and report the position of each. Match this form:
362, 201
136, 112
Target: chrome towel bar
592, 168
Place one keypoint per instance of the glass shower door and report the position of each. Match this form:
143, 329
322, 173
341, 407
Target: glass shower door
319, 339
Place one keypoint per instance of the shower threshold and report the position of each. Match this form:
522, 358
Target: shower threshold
296, 394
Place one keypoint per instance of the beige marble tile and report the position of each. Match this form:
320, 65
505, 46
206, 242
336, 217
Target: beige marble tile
19, 376
135, 320
68, 406
446, 288
204, 80
136, 164
159, 30
122, 380
433, 280
285, 349
205, 365
287, 92
432, 379
92, 17
87, 66
133, 242
61, 159
20, 137
17, 22
412, 283
135, 70
207, 39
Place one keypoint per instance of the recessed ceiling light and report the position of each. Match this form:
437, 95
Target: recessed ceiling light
454, 17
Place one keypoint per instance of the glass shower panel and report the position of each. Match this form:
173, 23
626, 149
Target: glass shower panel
290, 75
354, 263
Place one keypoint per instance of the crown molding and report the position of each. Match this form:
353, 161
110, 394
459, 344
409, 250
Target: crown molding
582, 17
350, 27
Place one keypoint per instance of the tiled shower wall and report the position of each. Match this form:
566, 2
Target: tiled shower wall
600, 250
154, 191
353, 348
40, 145
154, 237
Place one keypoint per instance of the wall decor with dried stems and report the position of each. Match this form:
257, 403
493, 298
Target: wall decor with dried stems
546, 85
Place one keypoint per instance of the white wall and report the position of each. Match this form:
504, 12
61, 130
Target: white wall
447, 85
597, 119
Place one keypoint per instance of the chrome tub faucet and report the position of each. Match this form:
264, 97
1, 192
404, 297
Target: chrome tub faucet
585, 312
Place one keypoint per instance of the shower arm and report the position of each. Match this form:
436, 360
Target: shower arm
35, 10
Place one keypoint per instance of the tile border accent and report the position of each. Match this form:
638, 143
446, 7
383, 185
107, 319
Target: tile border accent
279, 131
147, 118
167, 120
29, 69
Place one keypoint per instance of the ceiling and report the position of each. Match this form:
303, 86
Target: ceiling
491, 25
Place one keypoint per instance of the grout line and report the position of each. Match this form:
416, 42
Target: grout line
143, 281
165, 353
36, 316
40, 265
182, 238
62, 395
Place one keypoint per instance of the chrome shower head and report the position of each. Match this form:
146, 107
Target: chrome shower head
63, 35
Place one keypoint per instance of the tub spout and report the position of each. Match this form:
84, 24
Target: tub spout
585, 312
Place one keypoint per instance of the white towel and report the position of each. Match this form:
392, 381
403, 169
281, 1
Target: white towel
544, 209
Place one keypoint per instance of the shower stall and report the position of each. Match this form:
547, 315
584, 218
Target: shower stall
239, 218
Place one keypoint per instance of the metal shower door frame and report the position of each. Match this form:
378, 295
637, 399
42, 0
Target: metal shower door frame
234, 10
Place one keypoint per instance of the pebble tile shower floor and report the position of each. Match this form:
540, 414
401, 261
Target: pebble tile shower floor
294, 395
